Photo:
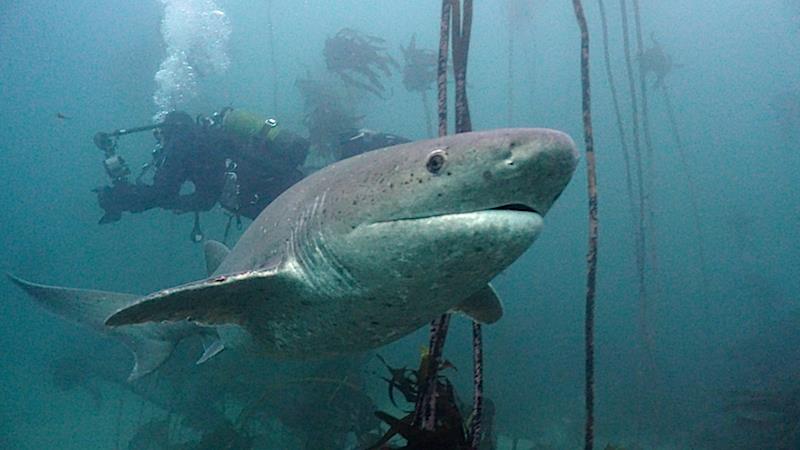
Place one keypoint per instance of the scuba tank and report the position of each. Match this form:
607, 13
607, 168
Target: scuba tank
254, 136
261, 143
264, 161
250, 126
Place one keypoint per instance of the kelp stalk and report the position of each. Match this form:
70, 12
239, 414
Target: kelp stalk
617, 111
461, 32
648, 142
477, 379
510, 80
272, 60
441, 69
460, 28
425, 408
640, 229
591, 256
682, 155
426, 109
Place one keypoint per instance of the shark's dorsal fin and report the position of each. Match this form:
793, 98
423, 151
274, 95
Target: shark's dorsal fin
215, 252
223, 299
484, 306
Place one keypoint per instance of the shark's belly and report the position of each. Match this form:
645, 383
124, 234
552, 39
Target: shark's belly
321, 327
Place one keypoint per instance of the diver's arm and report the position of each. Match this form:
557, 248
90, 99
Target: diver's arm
125, 197
202, 199
204, 165
356, 141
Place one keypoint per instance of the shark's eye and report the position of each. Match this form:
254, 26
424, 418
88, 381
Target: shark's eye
436, 161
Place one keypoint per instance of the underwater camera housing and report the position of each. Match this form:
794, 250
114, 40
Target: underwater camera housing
115, 165
116, 168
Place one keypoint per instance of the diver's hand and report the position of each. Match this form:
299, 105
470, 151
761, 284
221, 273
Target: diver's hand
107, 200
124, 196
354, 142
110, 217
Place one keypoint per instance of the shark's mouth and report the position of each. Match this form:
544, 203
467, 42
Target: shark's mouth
510, 208
514, 207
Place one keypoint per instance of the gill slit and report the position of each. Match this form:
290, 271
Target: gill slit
318, 265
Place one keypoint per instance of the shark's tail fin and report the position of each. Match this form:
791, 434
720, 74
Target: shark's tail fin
150, 345
87, 307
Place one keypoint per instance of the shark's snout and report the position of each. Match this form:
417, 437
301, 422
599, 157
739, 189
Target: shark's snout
532, 168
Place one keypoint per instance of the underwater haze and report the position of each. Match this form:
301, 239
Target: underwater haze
698, 313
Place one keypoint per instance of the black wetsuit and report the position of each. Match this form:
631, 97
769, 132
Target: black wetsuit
264, 169
187, 154
208, 156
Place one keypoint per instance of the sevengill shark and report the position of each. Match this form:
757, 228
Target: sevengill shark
360, 253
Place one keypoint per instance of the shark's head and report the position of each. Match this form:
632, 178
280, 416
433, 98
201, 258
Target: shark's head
445, 213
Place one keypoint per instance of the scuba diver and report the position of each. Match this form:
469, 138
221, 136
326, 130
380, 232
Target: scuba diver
233, 157
657, 61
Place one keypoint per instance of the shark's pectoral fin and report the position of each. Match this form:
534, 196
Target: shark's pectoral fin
148, 354
215, 252
211, 348
483, 306
225, 299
